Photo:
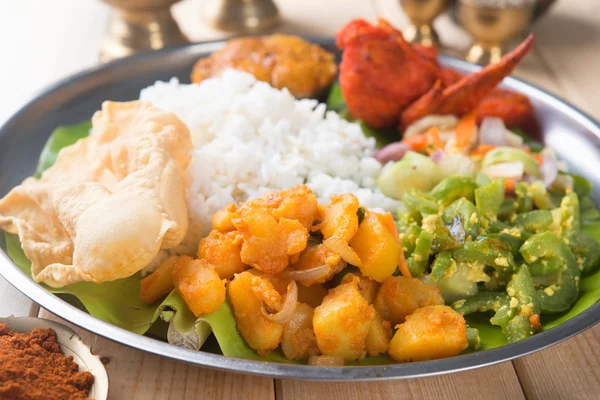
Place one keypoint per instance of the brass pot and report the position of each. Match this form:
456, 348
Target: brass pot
138, 25
241, 16
421, 14
492, 28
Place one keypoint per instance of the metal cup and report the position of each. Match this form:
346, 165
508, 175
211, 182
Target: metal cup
242, 16
492, 28
421, 14
138, 25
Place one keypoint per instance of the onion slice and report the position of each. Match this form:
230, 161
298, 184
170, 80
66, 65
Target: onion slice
392, 152
549, 171
338, 246
307, 275
512, 170
443, 122
549, 167
437, 156
287, 310
456, 164
456, 229
493, 132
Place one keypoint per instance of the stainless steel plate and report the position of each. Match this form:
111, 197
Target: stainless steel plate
574, 136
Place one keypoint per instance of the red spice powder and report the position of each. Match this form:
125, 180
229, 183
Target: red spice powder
32, 366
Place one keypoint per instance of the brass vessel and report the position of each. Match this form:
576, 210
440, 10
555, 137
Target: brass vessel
242, 16
138, 25
492, 28
421, 14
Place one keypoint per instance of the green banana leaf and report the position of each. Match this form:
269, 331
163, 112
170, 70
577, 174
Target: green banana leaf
336, 102
118, 303
62, 136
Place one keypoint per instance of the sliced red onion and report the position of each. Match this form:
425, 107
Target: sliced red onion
392, 152
493, 132
437, 156
511, 170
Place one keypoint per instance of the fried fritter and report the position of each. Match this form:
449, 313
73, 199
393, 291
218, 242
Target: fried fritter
111, 201
284, 61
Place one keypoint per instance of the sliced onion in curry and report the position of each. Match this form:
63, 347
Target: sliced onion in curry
307, 275
287, 309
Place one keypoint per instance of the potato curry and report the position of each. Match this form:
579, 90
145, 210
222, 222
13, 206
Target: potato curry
320, 281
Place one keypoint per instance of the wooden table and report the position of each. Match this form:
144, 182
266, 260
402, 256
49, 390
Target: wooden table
42, 41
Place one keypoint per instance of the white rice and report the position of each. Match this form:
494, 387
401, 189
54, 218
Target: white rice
251, 139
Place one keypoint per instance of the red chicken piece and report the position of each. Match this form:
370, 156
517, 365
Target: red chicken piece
380, 73
465, 95
514, 108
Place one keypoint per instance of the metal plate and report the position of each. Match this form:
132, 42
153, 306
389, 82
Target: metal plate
574, 136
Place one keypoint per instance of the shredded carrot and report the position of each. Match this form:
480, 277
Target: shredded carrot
403, 265
509, 184
534, 320
436, 140
483, 149
388, 222
465, 130
418, 142
538, 157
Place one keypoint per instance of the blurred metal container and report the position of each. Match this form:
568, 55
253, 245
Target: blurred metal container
421, 14
242, 16
492, 27
138, 25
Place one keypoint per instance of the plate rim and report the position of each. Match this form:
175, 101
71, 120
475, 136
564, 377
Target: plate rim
56, 305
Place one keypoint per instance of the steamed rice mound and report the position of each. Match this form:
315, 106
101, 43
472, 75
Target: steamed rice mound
250, 139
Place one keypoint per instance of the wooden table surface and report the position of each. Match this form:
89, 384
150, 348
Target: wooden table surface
42, 41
